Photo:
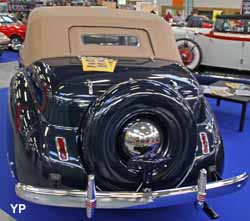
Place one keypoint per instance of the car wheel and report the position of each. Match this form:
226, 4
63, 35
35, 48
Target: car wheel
15, 43
190, 53
126, 124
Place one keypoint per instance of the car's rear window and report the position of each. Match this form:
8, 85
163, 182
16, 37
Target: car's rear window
110, 40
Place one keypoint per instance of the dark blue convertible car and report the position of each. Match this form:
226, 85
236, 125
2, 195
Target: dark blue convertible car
106, 116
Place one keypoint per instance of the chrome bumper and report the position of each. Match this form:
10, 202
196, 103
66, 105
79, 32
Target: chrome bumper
3, 47
138, 200
4, 44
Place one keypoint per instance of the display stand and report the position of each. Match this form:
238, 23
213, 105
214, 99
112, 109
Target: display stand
243, 100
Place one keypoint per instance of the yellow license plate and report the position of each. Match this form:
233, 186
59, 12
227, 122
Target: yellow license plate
98, 64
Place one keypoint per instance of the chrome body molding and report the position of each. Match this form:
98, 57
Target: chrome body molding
138, 200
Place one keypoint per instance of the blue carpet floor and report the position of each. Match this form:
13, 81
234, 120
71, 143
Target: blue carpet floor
231, 207
8, 56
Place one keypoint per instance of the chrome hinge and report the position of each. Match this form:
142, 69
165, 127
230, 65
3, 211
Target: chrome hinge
89, 84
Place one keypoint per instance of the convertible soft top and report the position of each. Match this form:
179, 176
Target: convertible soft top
59, 32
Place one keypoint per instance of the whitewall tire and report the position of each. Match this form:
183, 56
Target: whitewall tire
190, 53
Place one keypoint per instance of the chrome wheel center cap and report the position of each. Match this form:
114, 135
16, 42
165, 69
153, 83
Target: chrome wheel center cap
141, 138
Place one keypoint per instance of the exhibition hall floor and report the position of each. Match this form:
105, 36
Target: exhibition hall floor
230, 208
9, 56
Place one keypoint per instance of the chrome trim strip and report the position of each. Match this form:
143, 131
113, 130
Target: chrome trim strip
140, 200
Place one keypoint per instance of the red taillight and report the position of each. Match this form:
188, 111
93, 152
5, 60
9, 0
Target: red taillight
45, 97
204, 143
18, 114
62, 148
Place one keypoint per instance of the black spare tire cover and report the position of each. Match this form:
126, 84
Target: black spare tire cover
104, 152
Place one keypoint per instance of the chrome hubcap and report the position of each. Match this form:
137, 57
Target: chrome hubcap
16, 44
141, 138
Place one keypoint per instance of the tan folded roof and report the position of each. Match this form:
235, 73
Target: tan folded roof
56, 32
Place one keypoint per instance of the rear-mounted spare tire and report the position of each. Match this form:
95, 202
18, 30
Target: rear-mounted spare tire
137, 110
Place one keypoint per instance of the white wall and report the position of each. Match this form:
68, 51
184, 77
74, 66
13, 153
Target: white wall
218, 3
160, 2
205, 3
165, 2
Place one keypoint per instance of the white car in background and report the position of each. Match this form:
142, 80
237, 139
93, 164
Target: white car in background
227, 45
4, 42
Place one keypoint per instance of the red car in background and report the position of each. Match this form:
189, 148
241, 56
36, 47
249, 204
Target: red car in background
12, 28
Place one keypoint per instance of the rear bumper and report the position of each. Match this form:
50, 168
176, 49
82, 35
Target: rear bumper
162, 198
